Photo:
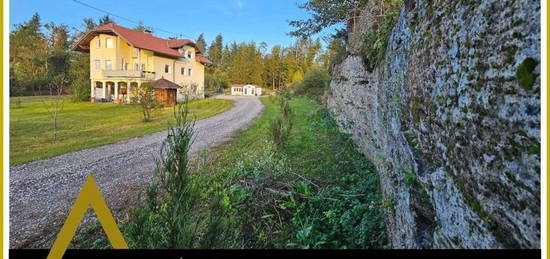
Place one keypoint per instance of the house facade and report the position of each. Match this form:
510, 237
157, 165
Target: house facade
121, 59
246, 90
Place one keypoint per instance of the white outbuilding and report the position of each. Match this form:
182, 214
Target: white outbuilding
246, 90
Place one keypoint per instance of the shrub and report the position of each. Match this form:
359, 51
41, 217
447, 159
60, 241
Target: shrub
213, 84
314, 84
145, 96
409, 177
525, 75
337, 50
168, 219
280, 126
80, 90
376, 42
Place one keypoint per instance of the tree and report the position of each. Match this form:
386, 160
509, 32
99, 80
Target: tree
215, 51
314, 83
79, 66
55, 105
201, 43
326, 13
106, 19
28, 57
142, 28
145, 96
79, 71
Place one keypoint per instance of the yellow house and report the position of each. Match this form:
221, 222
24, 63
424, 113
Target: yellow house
121, 59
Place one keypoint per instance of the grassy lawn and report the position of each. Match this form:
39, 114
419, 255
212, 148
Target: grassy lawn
83, 125
315, 192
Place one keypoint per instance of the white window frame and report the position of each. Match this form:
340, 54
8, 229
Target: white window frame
97, 65
108, 64
167, 69
107, 40
189, 72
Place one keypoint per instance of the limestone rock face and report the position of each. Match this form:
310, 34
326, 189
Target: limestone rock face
451, 119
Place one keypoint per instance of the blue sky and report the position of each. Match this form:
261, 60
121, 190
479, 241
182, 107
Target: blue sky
236, 20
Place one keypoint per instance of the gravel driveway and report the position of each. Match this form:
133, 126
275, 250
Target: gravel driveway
42, 192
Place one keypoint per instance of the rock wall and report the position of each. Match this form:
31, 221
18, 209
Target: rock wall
451, 119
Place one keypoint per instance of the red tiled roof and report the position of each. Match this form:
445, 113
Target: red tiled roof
202, 59
165, 84
140, 40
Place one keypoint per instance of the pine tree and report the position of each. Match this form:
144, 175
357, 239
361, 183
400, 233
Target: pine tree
215, 50
28, 57
106, 19
142, 28
201, 43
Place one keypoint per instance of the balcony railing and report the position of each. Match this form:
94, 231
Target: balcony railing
129, 74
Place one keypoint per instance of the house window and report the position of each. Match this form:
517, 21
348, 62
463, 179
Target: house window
142, 67
136, 52
97, 65
109, 43
136, 66
189, 72
98, 43
108, 65
166, 68
182, 71
189, 54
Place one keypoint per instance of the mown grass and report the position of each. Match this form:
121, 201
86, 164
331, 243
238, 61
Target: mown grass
84, 125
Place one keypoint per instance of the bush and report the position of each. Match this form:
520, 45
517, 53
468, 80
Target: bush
168, 219
213, 84
80, 90
376, 42
314, 84
280, 127
145, 96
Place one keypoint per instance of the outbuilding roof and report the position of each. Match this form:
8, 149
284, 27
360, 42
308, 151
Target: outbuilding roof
243, 85
141, 40
165, 84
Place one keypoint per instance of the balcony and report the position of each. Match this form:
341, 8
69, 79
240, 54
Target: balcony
129, 74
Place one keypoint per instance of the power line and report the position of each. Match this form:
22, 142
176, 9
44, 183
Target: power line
130, 20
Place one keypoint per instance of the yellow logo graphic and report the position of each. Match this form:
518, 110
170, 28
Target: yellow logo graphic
88, 196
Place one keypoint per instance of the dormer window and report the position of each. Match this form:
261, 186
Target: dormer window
189, 54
